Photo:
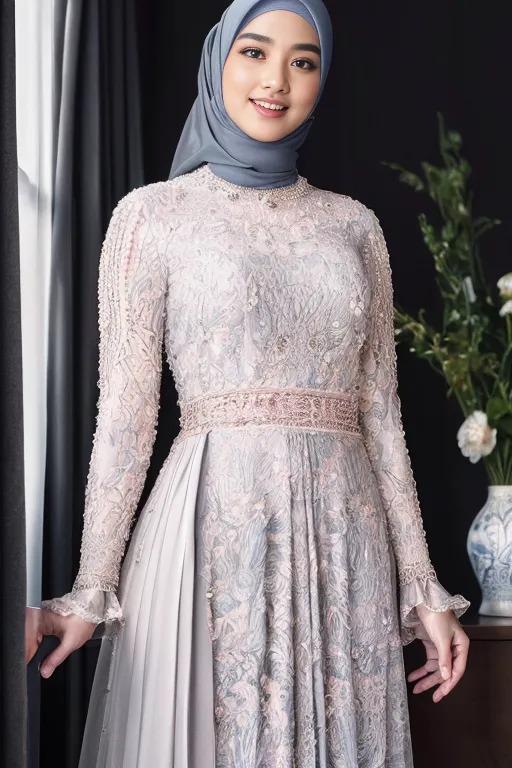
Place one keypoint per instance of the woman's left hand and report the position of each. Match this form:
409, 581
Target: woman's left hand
447, 647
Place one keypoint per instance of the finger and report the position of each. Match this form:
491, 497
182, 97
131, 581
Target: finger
430, 666
444, 649
428, 682
458, 668
446, 686
55, 658
31, 646
33, 634
460, 650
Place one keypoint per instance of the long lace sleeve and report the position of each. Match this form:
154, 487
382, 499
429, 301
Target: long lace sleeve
385, 442
131, 292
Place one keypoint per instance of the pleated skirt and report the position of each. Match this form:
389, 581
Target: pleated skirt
259, 596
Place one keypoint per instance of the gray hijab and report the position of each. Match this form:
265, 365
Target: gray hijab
210, 136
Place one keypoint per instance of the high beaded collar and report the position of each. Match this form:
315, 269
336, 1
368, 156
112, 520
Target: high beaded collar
271, 197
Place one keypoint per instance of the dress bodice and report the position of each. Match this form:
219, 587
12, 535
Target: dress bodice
265, 289
248, 289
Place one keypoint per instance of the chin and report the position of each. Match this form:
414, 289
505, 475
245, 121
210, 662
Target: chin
266, 138
267, 133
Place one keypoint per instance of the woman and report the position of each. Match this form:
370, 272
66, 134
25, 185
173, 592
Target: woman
254, 619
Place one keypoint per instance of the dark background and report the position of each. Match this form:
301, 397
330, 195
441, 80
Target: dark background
395, 65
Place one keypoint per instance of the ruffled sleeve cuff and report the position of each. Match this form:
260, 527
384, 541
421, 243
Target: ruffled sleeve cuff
91, 605
429, 591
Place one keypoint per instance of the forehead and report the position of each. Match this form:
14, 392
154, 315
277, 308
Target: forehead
282, 26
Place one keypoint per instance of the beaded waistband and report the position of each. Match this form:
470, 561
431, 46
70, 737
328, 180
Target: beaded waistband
298, 408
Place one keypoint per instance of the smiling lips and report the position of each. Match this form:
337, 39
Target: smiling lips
269, 108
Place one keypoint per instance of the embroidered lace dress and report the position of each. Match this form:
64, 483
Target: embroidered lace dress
254, 621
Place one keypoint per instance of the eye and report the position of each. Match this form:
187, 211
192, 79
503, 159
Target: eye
252, 53
304, 64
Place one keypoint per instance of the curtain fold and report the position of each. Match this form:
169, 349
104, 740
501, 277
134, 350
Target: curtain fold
13, 588
34, 141
97, 160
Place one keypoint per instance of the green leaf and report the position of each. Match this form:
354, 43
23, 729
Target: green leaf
454, 140
465, 167
448, 231
407, 177
496, 408
483, 224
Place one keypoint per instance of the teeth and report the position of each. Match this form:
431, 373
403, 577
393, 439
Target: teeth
269, 106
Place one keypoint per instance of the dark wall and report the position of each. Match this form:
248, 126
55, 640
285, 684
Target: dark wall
395, 65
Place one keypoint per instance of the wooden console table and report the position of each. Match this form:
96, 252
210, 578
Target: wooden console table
472, 726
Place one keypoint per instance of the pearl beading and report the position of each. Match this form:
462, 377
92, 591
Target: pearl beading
271, 197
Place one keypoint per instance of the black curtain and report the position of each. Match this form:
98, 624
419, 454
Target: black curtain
97, 160
13, 589
395, 65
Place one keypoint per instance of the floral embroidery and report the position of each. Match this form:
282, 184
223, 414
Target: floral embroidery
304, 504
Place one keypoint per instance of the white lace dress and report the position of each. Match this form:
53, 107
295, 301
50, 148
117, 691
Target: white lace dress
254, 622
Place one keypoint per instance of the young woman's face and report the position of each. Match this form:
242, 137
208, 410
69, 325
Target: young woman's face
274, 62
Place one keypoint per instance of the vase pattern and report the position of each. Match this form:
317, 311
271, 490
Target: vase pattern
489, 547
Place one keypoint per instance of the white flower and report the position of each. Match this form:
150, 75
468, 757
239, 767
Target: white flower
506, 308
475, 437
505, 286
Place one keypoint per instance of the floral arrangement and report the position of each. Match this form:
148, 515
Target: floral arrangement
472, 349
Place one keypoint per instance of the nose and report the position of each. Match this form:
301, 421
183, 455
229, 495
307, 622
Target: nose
275, 78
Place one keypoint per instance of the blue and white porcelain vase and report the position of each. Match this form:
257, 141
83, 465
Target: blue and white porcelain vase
490, 551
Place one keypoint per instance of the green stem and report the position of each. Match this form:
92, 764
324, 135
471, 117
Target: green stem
507, 477
462, 404
478, 262
491, 472
499, 464
476, 400
483, 384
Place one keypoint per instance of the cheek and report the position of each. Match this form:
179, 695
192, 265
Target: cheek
306, 91
237, 81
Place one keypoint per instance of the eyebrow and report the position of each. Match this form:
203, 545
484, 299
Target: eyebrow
311, 47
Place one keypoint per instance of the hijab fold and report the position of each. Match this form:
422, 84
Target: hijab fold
210, 136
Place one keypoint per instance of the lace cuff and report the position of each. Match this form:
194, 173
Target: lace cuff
89, 604
429, 591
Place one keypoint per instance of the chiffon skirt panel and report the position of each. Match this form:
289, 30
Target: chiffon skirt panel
151, 702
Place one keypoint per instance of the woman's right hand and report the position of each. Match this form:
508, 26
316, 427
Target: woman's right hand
72, 631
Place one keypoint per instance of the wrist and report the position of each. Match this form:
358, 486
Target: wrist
423, 610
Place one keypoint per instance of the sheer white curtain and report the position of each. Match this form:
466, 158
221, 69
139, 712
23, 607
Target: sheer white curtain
34, 57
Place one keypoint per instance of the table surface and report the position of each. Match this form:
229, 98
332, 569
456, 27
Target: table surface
487, 627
